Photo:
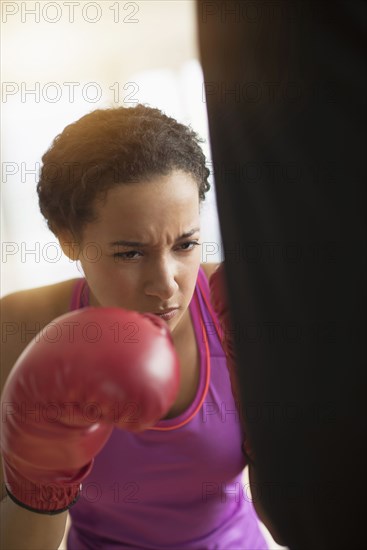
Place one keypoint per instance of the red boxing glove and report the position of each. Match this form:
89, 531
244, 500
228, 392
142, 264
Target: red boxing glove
86, 372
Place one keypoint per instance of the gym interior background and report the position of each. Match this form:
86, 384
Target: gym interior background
59, 64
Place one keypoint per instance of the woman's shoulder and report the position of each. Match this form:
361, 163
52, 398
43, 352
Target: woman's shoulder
45, 302
209, 268
25, 313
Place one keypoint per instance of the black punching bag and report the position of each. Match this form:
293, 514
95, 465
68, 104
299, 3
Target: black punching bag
285, 88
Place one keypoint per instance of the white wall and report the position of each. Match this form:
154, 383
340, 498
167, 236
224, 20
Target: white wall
145, 53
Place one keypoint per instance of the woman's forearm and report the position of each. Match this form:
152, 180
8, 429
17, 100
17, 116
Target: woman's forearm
25, 530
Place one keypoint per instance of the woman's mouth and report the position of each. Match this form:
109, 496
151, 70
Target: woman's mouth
168, 314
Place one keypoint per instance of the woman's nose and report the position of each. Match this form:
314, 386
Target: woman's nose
161, 281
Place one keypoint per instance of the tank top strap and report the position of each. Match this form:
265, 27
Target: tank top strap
213, 329
79, 295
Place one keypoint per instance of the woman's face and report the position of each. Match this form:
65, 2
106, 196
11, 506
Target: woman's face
136, 255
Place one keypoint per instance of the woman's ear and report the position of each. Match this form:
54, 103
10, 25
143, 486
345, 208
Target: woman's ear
69, 244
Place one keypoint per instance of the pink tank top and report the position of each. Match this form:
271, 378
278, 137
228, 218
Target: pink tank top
178, 485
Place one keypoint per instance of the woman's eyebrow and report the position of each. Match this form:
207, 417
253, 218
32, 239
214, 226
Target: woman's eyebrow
137, 243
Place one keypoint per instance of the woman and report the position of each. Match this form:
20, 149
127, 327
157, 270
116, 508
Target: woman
121, 189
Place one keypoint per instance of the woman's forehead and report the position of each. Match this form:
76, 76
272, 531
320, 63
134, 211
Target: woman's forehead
142, 212
166, 196
152, 236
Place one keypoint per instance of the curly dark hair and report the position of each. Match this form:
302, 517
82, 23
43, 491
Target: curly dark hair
109, 147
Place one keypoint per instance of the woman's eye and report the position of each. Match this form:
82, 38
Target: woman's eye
126, 255
190, 243
134, 254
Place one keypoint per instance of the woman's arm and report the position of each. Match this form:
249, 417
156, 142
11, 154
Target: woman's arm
20, 528
25, 530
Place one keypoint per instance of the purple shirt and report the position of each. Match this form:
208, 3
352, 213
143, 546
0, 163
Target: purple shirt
179, 484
